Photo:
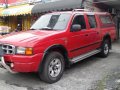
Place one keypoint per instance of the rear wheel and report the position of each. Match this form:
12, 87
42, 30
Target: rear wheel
53, 67
105, 48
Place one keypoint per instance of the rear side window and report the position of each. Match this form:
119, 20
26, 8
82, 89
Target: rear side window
92, 21
106, 19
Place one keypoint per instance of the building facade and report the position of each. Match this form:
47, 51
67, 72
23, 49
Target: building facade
16, 12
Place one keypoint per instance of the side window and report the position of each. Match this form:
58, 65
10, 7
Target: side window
106, 19
92, 21
80, 20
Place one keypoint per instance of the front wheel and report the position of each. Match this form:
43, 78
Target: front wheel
53, 67
105, 48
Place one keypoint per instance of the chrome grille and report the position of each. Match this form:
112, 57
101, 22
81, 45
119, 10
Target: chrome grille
8, 49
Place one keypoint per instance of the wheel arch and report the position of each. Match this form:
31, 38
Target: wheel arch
61, 49
107, 36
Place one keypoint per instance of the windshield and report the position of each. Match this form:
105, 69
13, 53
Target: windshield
51, 22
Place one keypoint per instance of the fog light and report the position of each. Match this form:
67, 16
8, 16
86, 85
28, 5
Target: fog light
11, 65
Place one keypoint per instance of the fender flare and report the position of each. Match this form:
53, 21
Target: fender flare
50, 48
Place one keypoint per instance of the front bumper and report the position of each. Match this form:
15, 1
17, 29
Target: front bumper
4, 65
21, 63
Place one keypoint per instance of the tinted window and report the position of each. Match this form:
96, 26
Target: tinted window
80, 20
92, 21
106, 19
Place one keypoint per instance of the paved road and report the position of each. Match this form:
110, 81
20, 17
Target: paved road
81, 76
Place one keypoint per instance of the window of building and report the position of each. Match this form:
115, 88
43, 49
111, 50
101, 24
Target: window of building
92, 21
80, 20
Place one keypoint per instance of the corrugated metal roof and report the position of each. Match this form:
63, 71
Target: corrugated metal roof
16, 10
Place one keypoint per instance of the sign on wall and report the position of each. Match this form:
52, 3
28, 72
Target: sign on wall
17, 2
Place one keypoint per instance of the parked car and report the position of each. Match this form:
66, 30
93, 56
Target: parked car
57, 40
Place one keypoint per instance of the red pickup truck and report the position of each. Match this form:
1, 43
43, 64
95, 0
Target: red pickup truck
57, 40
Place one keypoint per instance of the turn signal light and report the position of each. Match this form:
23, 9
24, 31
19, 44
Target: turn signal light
29, 51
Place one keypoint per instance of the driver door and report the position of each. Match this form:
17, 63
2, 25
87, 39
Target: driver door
78, 40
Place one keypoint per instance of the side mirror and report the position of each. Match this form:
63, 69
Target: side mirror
75, 28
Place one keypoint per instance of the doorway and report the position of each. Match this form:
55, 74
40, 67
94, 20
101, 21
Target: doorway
19, 21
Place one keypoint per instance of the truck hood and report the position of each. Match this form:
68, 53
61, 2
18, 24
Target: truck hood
29, 37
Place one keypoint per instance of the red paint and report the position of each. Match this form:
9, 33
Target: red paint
15, 1
41, 40
2, 1
12, 1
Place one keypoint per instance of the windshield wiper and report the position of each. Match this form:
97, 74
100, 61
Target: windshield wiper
46, 28
32, 29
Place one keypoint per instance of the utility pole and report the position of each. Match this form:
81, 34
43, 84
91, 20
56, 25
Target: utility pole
82, 4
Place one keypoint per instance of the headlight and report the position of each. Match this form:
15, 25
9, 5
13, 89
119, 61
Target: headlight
25, 51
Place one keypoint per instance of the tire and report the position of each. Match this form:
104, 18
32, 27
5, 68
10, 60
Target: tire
53, 68
105, 48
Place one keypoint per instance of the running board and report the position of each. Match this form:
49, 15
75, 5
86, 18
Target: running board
84, 56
